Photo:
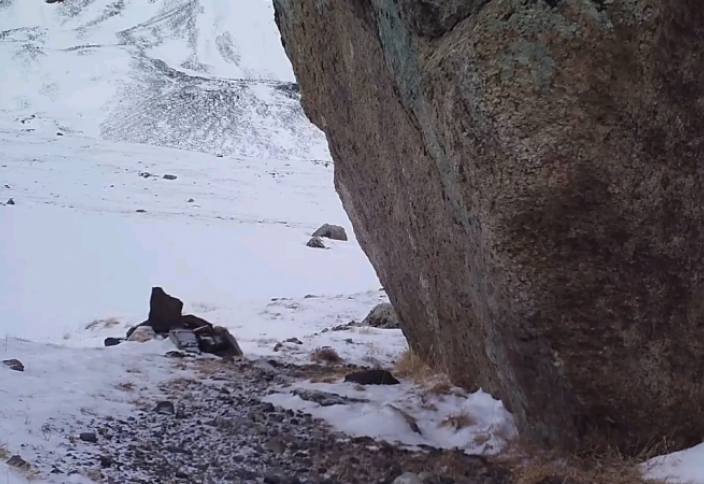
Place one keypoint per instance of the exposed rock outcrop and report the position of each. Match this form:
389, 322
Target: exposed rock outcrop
526, 178
333, 232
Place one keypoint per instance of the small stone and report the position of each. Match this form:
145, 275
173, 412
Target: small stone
181, 475
105, 461
408, 478
11, 201
18, 462
165, 408
88, 437
316, 243
333, 232
140, 210
276, 446
170, 177
13, 364
190, 200
59, 133
383, 316
113, 341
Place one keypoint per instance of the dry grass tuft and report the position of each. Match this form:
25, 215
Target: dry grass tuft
102, 324
409, 365
571, 470
531, 465
458, 421
4, 452
325, 354
125, 386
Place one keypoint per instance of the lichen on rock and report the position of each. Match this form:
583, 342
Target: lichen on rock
526, 179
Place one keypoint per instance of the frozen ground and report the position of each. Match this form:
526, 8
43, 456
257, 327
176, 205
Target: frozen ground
94, 225
77, 263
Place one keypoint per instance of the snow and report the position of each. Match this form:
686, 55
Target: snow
227, 236
385, 415
686, 466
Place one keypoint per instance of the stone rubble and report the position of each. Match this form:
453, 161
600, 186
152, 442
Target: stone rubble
216, 430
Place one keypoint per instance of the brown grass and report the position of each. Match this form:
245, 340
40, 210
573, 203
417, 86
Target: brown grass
532, 465
325, 354
411, 366
102, 323
4, 452
611, 469
125, 386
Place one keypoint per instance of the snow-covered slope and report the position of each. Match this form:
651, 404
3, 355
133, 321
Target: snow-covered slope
200, 75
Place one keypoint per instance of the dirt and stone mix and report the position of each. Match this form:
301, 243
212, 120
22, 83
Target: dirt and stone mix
214, 428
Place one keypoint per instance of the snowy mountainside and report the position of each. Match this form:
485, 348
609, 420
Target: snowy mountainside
199, 75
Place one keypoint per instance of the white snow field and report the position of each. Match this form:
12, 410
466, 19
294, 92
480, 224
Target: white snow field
98, 100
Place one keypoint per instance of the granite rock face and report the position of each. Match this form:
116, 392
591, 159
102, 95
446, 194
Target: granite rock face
526, 178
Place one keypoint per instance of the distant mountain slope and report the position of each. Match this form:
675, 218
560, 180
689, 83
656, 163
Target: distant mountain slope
202, 75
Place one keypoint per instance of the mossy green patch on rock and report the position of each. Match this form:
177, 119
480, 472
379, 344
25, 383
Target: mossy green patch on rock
527, 179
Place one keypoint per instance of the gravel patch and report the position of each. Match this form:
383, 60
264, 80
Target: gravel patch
215, 429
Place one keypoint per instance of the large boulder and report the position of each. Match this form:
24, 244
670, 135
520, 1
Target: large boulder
526, 178
164, 311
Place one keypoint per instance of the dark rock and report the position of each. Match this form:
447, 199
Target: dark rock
105, 461
372, 377
493, 158
11, 201
140, 210
333, 232
316, 243
113, 341
272, 479
184, 339
190, 200
59, 133
91, 437
13, 364
220, 342
164, 311
178, 354
18, 462
191, 321
144, 174
165, 407
382, 316
170, 177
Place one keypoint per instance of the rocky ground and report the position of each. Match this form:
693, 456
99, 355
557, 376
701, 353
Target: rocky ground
210, 426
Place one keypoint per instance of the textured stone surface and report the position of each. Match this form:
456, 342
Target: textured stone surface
526, 178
